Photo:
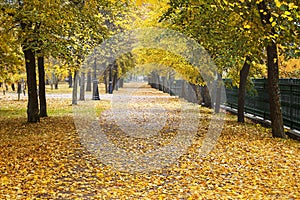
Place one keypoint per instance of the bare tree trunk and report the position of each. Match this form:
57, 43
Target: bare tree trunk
95, 83
89, 81
110, 81
121, 82
74, 93
218, 93
206, 97
42, 91
82, 85
197, 91
273, 76
32, 106
105, 81
242, 89
70, 79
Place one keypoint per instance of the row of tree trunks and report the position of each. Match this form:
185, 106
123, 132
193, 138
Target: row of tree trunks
54, 81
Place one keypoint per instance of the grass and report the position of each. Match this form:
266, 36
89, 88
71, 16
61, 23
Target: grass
63, 88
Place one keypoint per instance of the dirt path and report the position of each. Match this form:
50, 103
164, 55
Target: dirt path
144, 129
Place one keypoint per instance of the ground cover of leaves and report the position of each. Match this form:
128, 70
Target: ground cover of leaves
47, 160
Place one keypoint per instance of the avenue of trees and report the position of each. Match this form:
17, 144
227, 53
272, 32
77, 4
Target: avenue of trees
35, 30
244, 31
244, 38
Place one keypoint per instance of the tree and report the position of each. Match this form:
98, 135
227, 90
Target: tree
50, 28
232, 30
273, 75
278, 22
42, 90
242, 89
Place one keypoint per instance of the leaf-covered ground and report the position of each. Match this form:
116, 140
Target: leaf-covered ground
47, 160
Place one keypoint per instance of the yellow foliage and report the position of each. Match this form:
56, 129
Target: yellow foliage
290, 69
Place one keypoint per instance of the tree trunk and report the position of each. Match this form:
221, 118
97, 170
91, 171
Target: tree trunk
197, 91
95, 83
274, 93
32, 106
42, 91
13, 87
218, 93
70, 79
206, 97
115, 78
110, 81
183, 91
19, 90
273, 77
56, 84
74, 93
89, 81
81, 96
105, 81
242, 89
121, 82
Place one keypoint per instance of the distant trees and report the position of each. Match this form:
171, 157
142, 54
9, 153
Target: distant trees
49, 28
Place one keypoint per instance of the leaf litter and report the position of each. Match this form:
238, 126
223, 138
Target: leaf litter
47, 160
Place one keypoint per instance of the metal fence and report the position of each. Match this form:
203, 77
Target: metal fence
257, 100
180, 88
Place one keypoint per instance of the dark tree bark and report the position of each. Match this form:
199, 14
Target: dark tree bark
115, 77
115, 82
206, 97
56, 83
42, 91
121, 82
89, 81
110, 81
74, 93
164, 83
82, 85
273, 76
171, 83
95, 83
19, 90
183, 89
197, 91
105, 81
242, 89
32, 106
218, 93
52, 79
70, 79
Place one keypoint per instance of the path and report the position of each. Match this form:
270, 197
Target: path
143, 130
136, 153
